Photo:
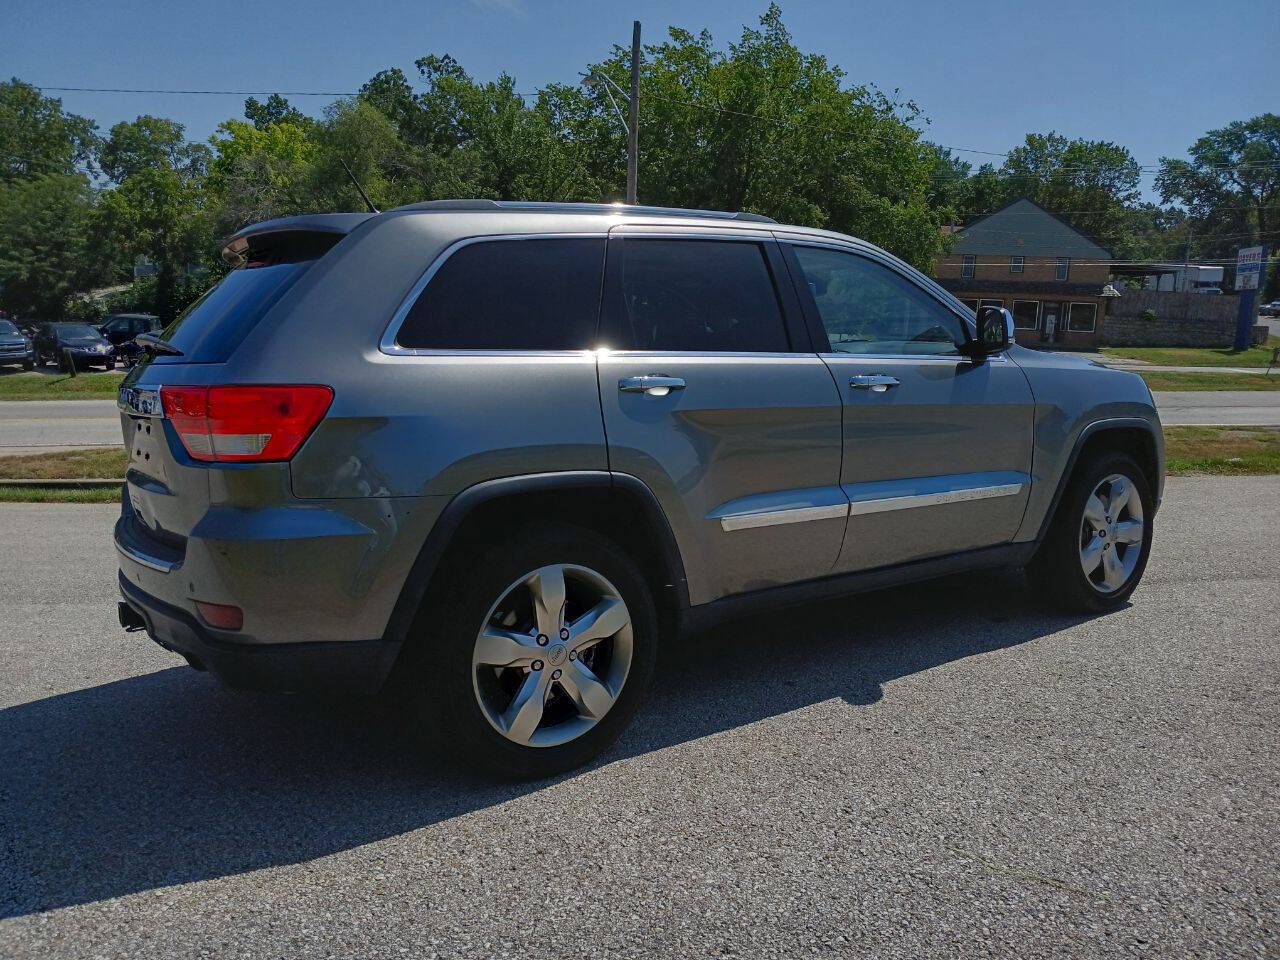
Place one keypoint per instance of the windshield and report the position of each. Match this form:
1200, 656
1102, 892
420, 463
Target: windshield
77, 330
7, 327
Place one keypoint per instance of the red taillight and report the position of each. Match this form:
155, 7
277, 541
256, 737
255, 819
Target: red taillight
245, 423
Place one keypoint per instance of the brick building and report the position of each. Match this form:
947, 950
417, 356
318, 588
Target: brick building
1049, 275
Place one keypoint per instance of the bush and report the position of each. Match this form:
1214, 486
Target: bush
1149, 315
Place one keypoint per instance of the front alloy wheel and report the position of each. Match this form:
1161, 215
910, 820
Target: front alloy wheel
1111, 534
1096, 548
553, 655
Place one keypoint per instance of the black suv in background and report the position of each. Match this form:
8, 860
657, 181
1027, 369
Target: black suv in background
86, 345
121, 328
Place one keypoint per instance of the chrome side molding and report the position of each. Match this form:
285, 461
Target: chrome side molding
771, 518
885, 504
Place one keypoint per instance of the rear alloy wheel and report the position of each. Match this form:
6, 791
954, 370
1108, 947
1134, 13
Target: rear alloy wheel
553, 655
533, 654
1097, 545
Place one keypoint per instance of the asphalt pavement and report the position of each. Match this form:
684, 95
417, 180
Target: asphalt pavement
35, 426
940, 771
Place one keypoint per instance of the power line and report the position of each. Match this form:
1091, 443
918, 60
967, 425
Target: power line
215, 93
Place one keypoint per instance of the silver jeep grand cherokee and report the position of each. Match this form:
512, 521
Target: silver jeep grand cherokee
497, 452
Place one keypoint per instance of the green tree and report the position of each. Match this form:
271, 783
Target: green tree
157, 209
1231, 183
276, 109
150, 143
37, 138
767, 128
1089, 183
46, 251
258, 173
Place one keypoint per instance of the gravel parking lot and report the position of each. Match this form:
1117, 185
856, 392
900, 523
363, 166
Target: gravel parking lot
935, 771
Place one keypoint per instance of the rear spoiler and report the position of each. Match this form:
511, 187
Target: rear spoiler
304, 230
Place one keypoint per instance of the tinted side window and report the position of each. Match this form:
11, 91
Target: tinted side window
867, 308
693, 295
535, 294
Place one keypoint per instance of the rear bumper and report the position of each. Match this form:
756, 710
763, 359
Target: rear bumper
356, 666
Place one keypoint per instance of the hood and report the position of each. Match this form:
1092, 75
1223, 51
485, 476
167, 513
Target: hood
9, 339
81, 341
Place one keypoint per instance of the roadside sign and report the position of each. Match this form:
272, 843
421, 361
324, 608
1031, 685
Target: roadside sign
1248, 268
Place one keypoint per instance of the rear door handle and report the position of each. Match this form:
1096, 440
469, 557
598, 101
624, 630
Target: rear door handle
875, 382
654, 384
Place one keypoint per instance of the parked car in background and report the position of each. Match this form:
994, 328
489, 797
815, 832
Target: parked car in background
121, 328
27, 326
87, 346
1271, 309
15, 346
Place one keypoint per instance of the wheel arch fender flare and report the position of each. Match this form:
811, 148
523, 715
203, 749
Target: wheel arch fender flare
465, 503
1092, 430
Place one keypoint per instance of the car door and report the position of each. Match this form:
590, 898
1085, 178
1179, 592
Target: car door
937, 447
713, 396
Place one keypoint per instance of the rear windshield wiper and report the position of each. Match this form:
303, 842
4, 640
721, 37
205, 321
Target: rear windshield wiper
153, 344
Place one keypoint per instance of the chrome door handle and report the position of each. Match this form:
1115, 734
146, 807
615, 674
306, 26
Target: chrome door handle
654, 385
875, 382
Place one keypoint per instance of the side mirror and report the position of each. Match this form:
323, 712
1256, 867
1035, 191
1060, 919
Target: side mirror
995, 331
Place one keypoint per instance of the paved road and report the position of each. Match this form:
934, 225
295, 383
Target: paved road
33, 426
1212, 408
48, 425
940, 771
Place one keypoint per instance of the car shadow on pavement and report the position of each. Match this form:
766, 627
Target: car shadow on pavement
168, 778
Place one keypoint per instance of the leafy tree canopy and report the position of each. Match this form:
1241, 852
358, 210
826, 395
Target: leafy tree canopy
37, 138
1231, 183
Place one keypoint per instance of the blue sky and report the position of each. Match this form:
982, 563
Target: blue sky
1150, 74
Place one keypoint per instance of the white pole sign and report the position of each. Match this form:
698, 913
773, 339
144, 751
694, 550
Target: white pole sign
1248, 268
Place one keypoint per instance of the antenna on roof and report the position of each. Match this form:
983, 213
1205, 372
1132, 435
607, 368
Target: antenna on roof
364, 196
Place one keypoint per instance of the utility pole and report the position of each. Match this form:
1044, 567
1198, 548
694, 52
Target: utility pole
633, 131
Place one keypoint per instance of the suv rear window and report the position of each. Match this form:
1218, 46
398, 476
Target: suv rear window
209, 329
531, 294
692, 296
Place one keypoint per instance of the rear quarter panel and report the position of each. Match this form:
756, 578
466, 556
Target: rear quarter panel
419, 425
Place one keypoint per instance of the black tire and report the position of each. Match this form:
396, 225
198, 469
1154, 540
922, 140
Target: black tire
440, 670
28, 364
1056, 572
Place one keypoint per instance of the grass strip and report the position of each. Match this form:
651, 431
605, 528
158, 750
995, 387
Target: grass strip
1210, 381
1198, 356
44, 386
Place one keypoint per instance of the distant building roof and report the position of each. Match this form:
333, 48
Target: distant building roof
1024, 228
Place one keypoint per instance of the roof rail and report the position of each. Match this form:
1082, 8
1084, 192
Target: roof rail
538, 206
